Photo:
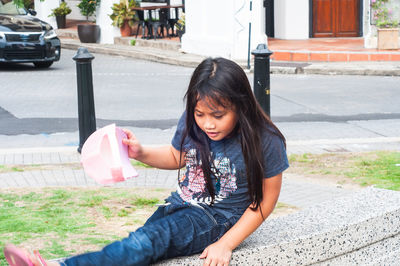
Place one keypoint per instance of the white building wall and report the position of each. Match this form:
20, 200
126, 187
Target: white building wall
75, 11
107, 30
370, 31
291, 19
221, 28
43, 10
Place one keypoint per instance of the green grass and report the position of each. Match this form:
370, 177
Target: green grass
380, 168
384, 171
4, 169
22, 168
281, 205
140, 164
32, 167
302, 158
60, 222
142, 202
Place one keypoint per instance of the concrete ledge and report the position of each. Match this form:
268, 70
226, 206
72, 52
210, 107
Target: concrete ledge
326, 231
143, 53
165, 52
157, 44
354, 68
385, 252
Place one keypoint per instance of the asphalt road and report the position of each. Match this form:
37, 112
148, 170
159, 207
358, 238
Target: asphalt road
39, 105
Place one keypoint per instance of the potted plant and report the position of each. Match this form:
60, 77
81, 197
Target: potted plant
122, 16
180, 26
89, 32
60, 13
387, 26
27, 4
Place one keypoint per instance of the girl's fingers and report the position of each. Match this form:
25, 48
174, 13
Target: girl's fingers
203, 254
207, 262
130, 139
128, 133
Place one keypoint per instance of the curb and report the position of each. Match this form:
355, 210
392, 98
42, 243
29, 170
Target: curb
333, 230
68, 154
149, 54
59, 149
376, 69
179, 58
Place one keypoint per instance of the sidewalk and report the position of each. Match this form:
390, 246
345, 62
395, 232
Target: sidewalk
60, 167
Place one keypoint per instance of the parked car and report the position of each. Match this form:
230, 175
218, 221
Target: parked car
24, 38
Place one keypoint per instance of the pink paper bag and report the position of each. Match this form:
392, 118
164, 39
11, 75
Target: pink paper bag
105, 158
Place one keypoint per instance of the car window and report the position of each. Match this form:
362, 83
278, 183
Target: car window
9, 8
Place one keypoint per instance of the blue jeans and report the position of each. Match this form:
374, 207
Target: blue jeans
173, 230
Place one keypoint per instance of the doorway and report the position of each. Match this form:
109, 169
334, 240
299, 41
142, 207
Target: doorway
335, 18
269, 18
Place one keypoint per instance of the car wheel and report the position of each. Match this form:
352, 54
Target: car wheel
43, 64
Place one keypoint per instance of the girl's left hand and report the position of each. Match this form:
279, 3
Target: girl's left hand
216, 254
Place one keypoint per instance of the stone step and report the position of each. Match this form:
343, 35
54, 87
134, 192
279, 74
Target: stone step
143, 53
163, 44
323, 232
385, 252
67, 34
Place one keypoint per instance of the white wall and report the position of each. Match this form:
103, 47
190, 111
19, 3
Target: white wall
369, 30
221, 28
291, 19
75, 11
43, 10
107, 31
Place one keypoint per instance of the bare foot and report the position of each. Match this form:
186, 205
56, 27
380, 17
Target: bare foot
36, 260
18, 256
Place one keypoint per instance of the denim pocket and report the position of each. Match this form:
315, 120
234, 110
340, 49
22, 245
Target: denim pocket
170, 208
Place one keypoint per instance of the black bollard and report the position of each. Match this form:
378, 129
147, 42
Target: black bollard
261, 77
86, 115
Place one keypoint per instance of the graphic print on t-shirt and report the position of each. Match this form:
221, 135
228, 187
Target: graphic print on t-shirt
192, 185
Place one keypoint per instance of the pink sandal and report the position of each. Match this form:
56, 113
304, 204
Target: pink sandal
17, 257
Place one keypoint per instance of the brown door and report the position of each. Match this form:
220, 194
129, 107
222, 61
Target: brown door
335, 18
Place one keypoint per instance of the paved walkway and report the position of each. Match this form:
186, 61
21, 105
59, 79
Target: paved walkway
60, 167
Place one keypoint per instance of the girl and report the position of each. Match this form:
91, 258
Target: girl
234, 158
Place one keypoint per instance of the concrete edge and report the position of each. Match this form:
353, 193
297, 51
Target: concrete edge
385, 252
177, 58
54, 149
344, 141
327, 230
190, 60
58, 149
309, 249
332, 70
69, 149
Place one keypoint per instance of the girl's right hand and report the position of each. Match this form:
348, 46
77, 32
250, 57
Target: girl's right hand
134, 147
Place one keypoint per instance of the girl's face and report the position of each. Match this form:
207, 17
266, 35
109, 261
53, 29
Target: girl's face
215, 120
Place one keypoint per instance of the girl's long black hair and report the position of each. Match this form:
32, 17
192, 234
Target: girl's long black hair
224, 83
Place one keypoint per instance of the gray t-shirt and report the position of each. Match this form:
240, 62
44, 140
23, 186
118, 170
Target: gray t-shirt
231, 192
